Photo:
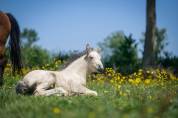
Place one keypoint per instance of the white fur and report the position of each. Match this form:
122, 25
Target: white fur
67, 82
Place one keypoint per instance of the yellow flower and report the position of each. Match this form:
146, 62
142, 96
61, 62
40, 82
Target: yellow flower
150, 110
56, 110
130, 80
119, 86
138, 80
91, 115
147, 81
147, 71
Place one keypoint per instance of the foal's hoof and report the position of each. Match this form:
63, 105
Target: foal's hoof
92, 93
95, 93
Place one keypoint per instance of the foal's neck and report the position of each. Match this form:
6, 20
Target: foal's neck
79, 67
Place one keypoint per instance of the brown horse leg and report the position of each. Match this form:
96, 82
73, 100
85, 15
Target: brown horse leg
3, 63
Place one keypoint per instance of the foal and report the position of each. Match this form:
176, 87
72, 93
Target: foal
67, 82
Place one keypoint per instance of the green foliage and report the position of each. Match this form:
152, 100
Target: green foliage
66, 56
120, 52
170, 62
161, 43
63, 56
33, 55
29, 37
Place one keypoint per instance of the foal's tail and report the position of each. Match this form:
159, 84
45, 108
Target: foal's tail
14, 45
22, 88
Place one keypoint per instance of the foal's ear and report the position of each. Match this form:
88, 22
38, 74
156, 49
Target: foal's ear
98, 50
88, 49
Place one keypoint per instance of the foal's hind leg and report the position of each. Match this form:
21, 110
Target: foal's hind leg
42, 90
59, 91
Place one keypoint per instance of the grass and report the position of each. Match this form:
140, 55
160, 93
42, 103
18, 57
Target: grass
153, 101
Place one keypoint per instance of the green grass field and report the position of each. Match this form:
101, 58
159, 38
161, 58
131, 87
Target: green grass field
153, 101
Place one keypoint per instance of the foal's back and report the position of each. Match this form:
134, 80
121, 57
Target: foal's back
39, 76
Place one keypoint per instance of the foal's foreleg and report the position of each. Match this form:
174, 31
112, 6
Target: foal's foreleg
82, 90
56, 91
42, 90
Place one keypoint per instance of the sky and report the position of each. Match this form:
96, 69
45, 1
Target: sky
70, 24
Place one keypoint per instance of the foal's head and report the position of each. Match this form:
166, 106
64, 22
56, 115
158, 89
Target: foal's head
93, 59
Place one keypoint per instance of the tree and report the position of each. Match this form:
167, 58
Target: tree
160, 43
29, 37
149, 46
120, 52
33, 55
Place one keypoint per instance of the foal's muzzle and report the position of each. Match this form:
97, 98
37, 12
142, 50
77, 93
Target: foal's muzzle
100, 68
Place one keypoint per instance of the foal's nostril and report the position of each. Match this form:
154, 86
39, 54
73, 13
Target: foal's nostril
100, 68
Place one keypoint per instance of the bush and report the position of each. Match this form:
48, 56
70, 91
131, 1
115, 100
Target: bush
120, 52
35, 56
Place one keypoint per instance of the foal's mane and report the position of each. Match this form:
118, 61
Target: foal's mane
72, 58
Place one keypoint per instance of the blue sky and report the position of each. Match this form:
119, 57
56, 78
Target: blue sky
70, 24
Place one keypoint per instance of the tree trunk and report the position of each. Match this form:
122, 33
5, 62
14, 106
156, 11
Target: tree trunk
150, 39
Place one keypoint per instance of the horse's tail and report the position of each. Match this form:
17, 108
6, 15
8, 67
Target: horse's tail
22, 88
14, 45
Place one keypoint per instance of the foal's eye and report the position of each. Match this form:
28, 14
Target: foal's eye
91, 58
